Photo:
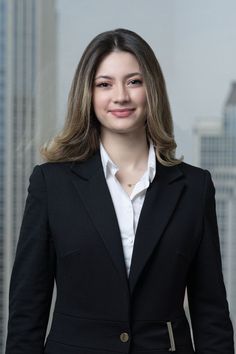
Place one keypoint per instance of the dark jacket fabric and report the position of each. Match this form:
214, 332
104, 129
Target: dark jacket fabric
70, 233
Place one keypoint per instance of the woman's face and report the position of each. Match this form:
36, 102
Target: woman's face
119, 96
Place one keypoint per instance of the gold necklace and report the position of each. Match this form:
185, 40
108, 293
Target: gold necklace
131, 184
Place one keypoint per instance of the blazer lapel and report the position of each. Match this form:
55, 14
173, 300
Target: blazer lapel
92, 188
160, 202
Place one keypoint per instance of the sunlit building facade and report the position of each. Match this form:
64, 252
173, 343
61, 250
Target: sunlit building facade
27, 115
216, 151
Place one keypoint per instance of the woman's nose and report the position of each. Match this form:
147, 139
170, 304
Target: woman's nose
120, 94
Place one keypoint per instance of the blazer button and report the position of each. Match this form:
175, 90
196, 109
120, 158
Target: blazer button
124, 337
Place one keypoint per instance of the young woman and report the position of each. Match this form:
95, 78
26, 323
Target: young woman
120, 224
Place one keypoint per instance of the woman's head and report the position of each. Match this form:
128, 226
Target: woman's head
80, 136
119, 97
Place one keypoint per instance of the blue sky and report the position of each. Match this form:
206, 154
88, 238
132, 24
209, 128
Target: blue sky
195, 43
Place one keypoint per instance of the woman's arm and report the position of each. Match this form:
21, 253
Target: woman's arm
212, 328
32, 277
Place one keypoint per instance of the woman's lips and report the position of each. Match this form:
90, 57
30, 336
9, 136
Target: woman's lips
122, 113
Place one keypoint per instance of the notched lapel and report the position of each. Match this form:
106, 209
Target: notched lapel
159, 205
92, 188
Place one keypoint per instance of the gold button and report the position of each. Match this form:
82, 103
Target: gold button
124, 337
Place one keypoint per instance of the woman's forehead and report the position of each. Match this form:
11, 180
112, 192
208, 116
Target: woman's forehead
118, 62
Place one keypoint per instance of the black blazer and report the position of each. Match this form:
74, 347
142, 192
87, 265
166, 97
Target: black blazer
70, 232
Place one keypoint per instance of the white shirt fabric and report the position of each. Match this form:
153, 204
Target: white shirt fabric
128, 208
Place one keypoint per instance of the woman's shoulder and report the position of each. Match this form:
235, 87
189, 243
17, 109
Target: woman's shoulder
193, 170
50, 170
183, 170
53, 166
195, 175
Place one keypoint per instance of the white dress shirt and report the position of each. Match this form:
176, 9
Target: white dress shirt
127, 207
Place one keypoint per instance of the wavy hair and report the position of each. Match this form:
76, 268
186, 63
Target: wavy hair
80, 136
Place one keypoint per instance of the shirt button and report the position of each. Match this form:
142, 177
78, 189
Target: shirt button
124, 337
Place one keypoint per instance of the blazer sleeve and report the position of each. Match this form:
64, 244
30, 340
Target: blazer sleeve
212, 328
32, 278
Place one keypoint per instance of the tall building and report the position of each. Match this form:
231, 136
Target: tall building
216, 151
2, 144
27, 115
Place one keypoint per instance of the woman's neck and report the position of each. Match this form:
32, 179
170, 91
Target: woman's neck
127, 151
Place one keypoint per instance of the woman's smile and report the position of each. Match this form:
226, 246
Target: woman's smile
122, 113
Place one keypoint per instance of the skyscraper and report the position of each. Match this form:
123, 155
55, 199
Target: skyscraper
2, 144
27, 115
216, 151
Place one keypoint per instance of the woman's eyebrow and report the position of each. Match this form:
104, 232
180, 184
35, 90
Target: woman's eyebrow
110, 77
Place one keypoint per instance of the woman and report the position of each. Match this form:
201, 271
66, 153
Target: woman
121, 224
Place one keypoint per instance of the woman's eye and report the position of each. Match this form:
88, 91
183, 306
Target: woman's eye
102, 84
135, 82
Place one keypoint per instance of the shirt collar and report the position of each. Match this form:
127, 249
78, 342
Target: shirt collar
110, 167
151, 161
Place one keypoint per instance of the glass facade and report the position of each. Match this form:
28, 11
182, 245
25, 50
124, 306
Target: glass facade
2, 145
27, 101
23, 101
217, 153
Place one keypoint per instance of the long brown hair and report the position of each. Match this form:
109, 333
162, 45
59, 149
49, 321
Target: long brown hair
79, 138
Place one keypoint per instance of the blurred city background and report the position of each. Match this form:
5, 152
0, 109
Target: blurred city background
41, 42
